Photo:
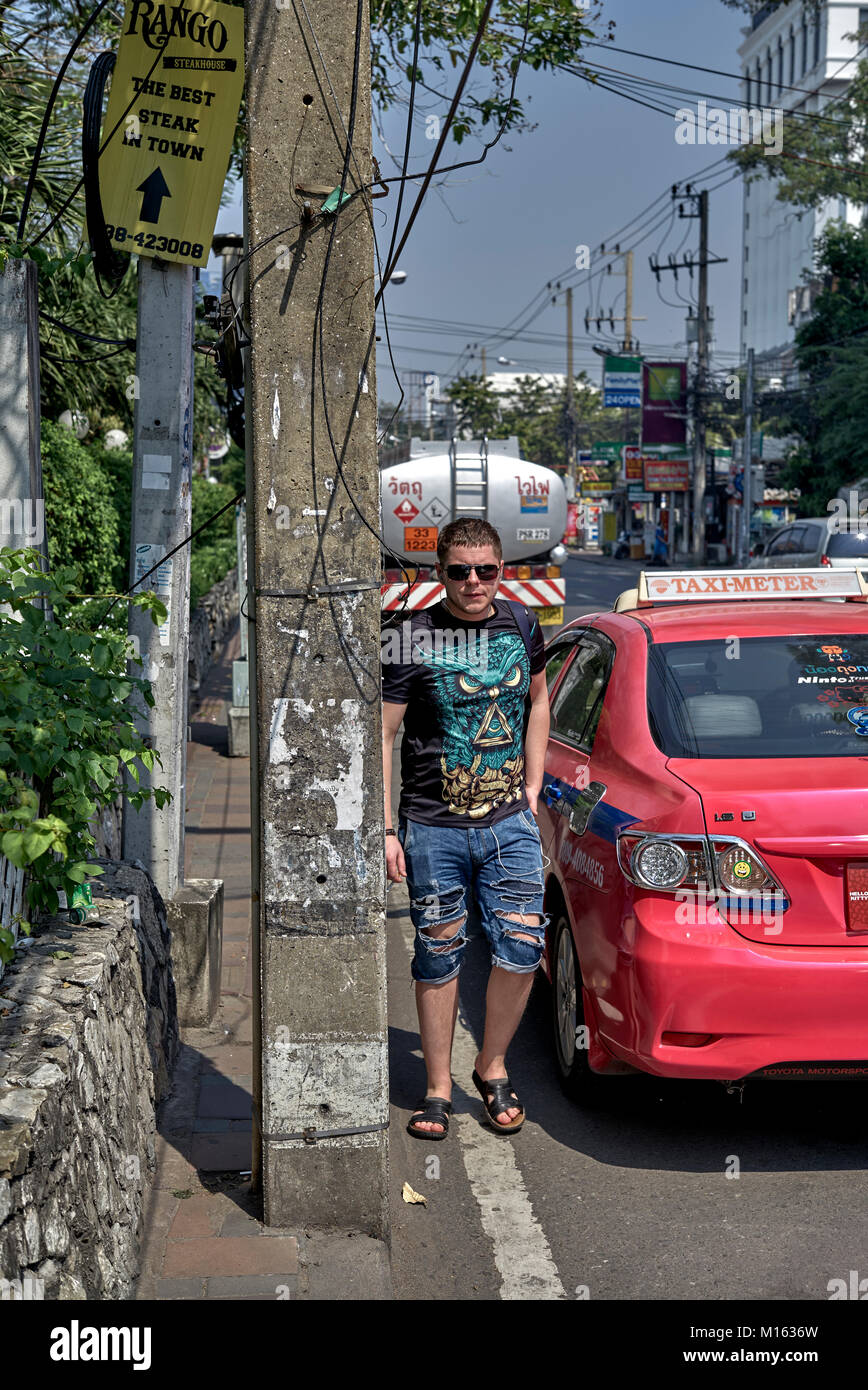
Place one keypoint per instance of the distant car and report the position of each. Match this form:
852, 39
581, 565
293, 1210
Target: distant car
704, 813
808, 542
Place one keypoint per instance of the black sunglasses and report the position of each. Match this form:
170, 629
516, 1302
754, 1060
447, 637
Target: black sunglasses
485, 573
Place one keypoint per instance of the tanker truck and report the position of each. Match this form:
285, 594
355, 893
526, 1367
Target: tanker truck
440, 481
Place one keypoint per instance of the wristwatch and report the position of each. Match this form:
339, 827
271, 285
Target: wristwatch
391, 832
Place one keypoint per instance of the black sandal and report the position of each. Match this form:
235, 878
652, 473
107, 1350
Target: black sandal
503, 1098
435, 1110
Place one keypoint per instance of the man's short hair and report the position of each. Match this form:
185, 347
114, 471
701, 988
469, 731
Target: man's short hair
471, 532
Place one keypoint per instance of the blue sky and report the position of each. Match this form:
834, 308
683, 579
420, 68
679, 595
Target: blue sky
481, 252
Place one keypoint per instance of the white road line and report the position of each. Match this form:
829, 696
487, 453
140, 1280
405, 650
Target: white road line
521, 1252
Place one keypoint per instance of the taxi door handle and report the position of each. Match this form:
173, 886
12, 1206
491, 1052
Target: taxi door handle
552, 793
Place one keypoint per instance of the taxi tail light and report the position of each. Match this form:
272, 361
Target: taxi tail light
739, 869
665, 862
689, 1039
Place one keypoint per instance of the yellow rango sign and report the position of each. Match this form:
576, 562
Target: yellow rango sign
172, 110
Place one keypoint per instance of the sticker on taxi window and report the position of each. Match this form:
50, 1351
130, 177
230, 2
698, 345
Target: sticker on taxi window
859, 719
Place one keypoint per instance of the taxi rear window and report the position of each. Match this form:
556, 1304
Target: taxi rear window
760, 697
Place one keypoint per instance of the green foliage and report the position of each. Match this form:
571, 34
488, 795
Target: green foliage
556, 33
829, 408
535, 412
208, 565
821, 158
81, 517
214, 553
67, 726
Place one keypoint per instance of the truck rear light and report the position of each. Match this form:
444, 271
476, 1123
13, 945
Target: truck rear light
523, 571
824, 560
688, 1039
393, 576
540, 572
510, 572
553, 571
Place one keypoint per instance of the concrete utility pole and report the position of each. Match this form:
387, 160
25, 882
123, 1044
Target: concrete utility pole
571, 424
321, 1098
700, 204
628, 302
699, 446
22, 508
484, 365
162, 471
747, 477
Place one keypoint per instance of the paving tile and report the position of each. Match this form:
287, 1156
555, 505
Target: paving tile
226, 1101
168, 1289
196, 1216
259, 1286
217, 1153
231, 1255
242, 1222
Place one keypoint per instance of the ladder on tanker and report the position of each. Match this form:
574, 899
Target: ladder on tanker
469, 481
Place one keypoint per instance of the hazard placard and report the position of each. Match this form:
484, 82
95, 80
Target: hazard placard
175, 93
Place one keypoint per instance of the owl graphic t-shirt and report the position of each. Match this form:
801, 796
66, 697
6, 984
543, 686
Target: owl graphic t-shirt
465, 686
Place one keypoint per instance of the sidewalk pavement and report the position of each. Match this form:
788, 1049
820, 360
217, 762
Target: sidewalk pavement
202, 1238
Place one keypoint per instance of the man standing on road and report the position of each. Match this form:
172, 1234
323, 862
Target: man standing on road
470, 686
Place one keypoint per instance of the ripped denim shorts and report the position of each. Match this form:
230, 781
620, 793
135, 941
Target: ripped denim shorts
502, 865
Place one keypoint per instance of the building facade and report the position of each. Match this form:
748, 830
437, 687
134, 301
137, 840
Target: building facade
812, 50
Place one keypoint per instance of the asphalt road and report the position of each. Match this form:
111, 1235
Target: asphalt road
665, 1190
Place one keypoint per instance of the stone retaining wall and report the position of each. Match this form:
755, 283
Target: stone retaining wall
88, 1039
210, 624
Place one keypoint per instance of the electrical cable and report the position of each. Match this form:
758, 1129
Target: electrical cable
87, 337
180, 546
109, 264
43, 130
447, 125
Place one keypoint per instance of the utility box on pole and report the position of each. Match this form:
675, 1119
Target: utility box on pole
321, 1098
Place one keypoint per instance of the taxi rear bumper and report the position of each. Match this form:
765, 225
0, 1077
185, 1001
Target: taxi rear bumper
763, 1004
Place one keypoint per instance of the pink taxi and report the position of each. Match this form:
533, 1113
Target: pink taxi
705, 814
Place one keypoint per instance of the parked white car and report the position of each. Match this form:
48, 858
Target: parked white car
809, 542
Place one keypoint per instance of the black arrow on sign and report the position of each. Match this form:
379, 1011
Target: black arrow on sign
155, 189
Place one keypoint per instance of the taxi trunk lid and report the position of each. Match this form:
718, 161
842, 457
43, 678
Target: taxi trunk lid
812, 839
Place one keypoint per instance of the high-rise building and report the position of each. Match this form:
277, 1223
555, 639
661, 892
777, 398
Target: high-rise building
803, 47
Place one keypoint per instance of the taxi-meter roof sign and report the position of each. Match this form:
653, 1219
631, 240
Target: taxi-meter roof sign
692, 585
175, 93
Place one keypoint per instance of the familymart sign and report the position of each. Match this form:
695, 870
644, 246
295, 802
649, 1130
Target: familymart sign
622, 382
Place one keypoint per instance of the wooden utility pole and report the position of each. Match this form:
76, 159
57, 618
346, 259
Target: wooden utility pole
320, 1096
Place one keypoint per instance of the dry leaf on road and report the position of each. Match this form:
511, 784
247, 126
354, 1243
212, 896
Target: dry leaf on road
414, 1197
